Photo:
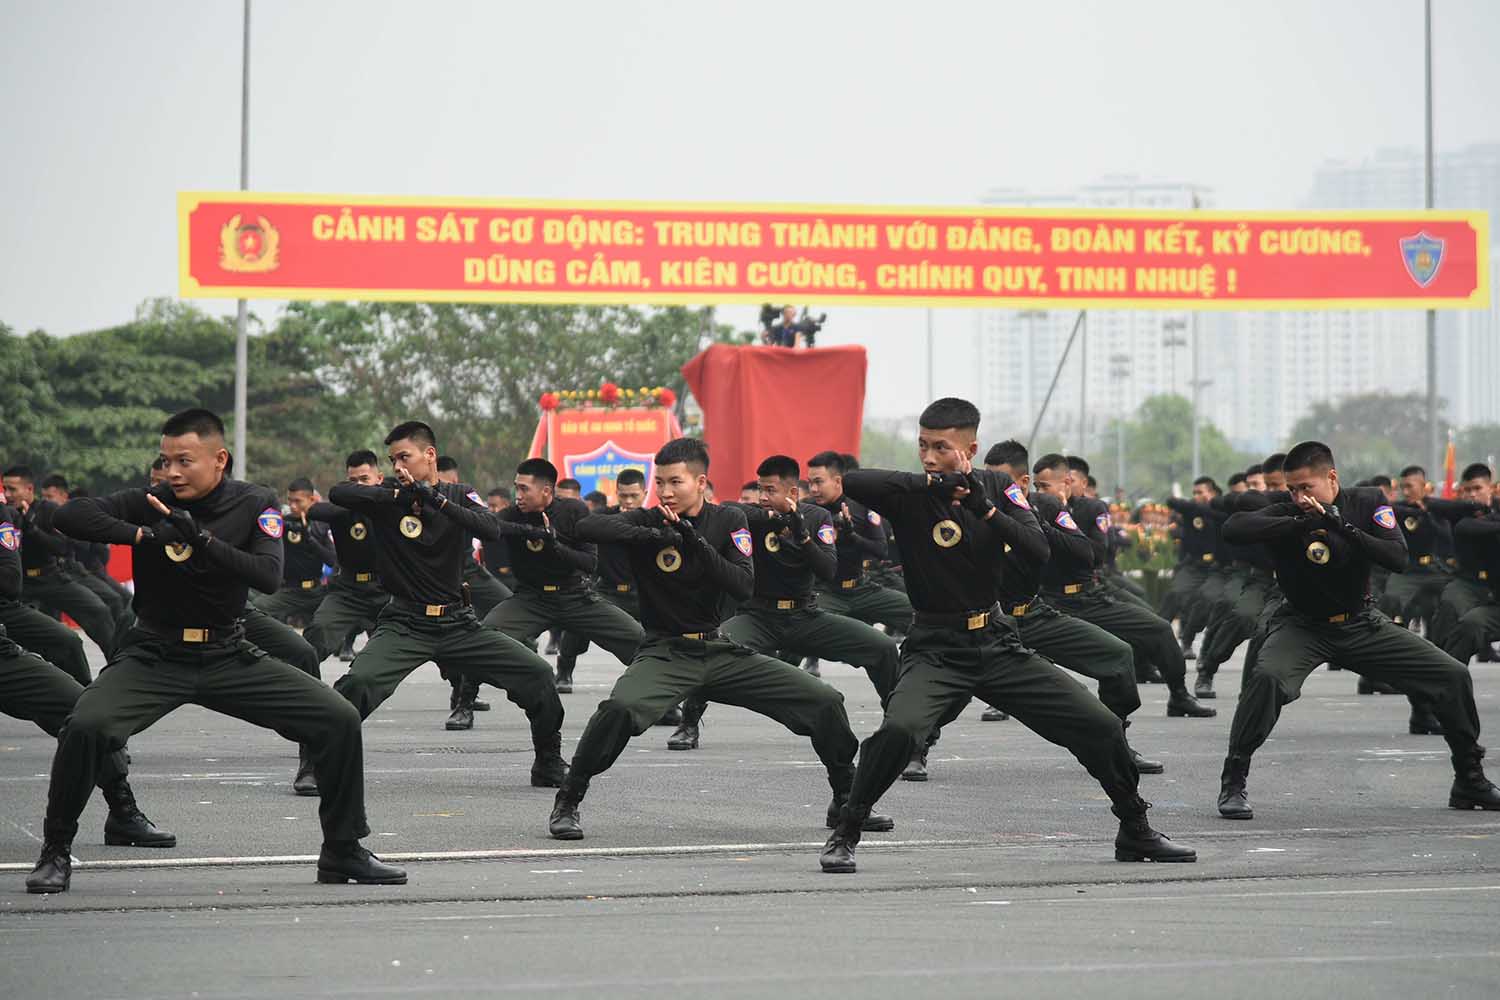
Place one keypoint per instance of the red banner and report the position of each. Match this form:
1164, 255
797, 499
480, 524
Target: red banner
290, 246
593, 445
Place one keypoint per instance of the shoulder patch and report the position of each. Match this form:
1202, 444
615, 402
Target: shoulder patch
9, 536
742, 541
1385, 517
1017, 496
1102, 521
472, 495
270, 522
873, 517
1066, 520
826, 534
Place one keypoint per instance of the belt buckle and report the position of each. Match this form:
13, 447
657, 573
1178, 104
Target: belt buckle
784, 605
550, 588
693, 635
1019, 611
1338, 619
436, 610
1424, 560
33, 572
309, 584
848, 584
623, 588
1208, 557
1072, 588
362, 577
978, 621
195, 635
1484, 574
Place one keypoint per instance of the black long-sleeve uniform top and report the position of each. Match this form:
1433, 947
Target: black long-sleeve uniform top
684, 586
614, 561
207, 589
1421, 531
352, 540
10, 555
1018, 572
1480, 535
41, 544
784, 567
1073, 558
859, 538
1093, 519
420, 548
1250, 500
1323, 563
1200, 531
562, 561
308, 549
948, 552
1451, 513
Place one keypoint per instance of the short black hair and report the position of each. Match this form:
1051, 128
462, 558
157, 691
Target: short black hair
1052, 460
630, 477
1236, 479
55, 482
1275, 462
447, 463
1093, 483
1254, 470
1010, 453
570, 484
539, 468
415, 431
594, 496
1413, 470
21, 472
1207, 481
1380, 480
950, 411
157, 464
204, 423
780, 467
753, 484
362, 457
500, 491
684, 451
1078, 464
1314, 455
830, 460
850, 462
301, 485
1476, 470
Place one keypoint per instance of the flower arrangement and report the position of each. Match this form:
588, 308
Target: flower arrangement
608, 395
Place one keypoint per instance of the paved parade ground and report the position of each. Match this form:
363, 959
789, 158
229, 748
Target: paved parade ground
699, 872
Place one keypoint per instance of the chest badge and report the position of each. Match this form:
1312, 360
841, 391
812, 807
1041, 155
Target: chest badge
773, 542
1198, 524
947, 533
535, 545
669, 560
358, 531
1318, 552
178, 553
411, 526
1411, 524
294, 537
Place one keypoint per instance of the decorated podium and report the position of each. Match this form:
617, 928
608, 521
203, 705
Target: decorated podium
592, 435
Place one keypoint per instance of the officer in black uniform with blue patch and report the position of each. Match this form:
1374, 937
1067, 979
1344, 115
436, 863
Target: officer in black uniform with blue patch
307, 549
861, 543
355, 597
1477, 537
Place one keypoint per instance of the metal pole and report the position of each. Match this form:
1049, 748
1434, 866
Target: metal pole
1193, 335
930, 390
1120, 453
1077, 324
1083, 387
1432, 414
241, 338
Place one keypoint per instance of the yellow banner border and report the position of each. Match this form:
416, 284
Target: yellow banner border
188, 287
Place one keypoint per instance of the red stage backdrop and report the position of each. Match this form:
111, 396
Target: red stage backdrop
760, 401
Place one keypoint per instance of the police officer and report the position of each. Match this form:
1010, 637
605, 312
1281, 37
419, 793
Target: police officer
421, 529
307, 549
794, 545
88, 563
1149, 635
552, 589
47, 582
860, 542
354, 598
1323, 544
1195, 573
1477, 539
689, 557
199, 545
1413, 595
31, 629
485, 592
961, 645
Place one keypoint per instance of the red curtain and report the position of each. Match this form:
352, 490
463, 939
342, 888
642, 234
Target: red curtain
760, 401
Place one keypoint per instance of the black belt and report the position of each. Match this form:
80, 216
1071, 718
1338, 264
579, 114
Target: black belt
425, 610
782, 603
194, 636
36, 571
964, 621
557, 588
711, 635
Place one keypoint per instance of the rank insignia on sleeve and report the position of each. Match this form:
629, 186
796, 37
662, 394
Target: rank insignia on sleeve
742, 541
1385, 517
475, 497
826, 534
1017, 496
874, 518
1065, 520
270, 522
1102, 522
9, 536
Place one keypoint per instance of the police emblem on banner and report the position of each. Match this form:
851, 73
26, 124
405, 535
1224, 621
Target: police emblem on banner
1423, 256
270, 522
411, 526
1385, 517
742, 540
249, 247
947, 534
1065, 520
10, 538
826, 534
1017, 496
670, 560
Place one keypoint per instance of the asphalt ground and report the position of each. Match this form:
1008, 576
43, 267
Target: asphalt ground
699, 870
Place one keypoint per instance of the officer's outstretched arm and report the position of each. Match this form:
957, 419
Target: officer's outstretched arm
1268, 524
260, 566
116, 518
329, 513
628, 527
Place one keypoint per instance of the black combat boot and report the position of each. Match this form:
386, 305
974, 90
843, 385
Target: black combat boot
1203, 687
54, 869
813, 666
838, 853
461, 704
1136, 841
916, 768
126, 825
549, 768
672, 718
1367, 686
564, 823
305, 783
1187, 650
874, 822
1234, 803
565, 665
1471, 789
344, 861
993, 714
1181, 703
1423, 722
1142, 765
1148, 674
686, 736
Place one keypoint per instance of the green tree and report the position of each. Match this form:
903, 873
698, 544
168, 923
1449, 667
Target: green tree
1370, 434
883, 450
1159, 450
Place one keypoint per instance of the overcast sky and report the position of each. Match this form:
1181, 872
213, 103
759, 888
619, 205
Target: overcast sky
108, 109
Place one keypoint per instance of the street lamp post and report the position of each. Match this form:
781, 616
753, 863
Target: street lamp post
1119, 371
241, 336
1172, 327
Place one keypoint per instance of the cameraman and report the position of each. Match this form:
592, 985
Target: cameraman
790, 331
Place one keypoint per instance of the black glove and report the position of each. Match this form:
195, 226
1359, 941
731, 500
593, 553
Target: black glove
843, 518
944, 483
178, 528
147, 536
537, 532
685, 530
663, 535
976, 502
792, 519
425, 494
405, 496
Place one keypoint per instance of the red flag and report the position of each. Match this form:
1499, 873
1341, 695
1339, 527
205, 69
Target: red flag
1450, 470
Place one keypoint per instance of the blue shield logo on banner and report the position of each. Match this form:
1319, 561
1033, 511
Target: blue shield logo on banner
598, 469
1422, 255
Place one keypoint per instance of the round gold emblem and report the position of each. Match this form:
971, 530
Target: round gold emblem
358, 531
947, 533
669, 560
1411, 524
535, 545
411, 526
178, 552
773, 542
1319, 553
1198, 523
294, 537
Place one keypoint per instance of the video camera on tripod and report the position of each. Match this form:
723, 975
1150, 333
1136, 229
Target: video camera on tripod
782, 327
